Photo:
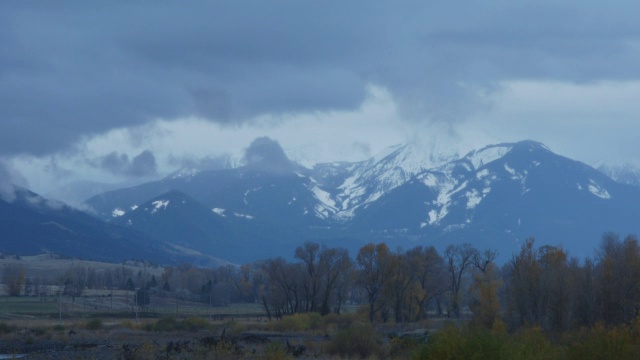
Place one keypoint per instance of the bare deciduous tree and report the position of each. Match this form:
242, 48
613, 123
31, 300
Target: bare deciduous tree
430, 276
374, 265
458, 258
309, 254
334, 266
13, 277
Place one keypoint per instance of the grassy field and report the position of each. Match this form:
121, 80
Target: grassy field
47, 265
120, 305
30, 326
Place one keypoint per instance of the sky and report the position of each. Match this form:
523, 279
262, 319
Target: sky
124, 92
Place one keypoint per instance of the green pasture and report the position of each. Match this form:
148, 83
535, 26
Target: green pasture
120, 305
26, 306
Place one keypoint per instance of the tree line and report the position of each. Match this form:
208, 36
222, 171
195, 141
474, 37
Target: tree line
73, 280
539, 286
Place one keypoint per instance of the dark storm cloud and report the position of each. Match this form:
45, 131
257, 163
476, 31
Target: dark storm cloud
143, 164
69, 70
267, 155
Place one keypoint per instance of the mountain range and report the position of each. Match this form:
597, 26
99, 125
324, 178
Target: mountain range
494, 197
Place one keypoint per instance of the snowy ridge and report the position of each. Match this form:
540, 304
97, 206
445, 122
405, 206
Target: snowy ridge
625, 173
371, 179
187, 172
388, 170
484, 156
382, 173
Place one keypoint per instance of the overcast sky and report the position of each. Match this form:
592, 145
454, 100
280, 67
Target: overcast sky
129, 90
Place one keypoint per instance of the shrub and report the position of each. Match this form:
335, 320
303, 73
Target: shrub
401, 347
168, 324
599, 342
94, 324
533, 344
359, 340
128, 324
454, 343
444, 344
194, 324
483, 344
146, 351
339, 322
233, 327
165, 324
275, 351
39, 331
298, 322
479, 343
6, 328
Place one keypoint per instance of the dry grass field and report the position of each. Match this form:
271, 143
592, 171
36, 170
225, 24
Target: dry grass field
33, 327
47, 265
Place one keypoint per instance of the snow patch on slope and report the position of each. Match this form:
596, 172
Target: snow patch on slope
326, 206
598, 191
521, 177
245, 216
510, 170
159, 204
433, 217
473, 199
117, 212
482, 174
246, 193
324, 197
219, 211
444, 201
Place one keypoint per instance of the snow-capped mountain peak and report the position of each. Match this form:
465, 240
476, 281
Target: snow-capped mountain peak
499, 193
393, 167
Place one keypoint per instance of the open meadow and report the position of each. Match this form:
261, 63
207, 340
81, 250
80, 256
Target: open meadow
385, 305
45, 328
